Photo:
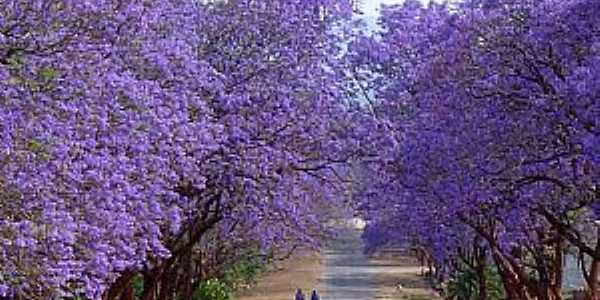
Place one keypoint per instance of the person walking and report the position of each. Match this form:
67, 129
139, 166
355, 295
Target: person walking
299, 295
314, 295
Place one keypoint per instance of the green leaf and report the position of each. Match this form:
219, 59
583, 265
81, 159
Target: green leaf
48, 74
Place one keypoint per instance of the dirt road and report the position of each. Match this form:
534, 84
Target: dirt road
301, 271
344, 272
350, 274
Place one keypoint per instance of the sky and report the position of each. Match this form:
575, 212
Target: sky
371, 7
370, 10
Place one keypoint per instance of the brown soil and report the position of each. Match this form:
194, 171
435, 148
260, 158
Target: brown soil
300, 271
405, 282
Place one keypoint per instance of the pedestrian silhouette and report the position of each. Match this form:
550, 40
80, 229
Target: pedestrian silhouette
314, 295
299, 295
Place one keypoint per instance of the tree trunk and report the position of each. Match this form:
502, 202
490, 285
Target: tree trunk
429, 267
421, 255
557, 266
128, 293
167, 282
481, 260
593, 277
152, 282
515, 286
188, 276
119, 286
594, 283
505, 276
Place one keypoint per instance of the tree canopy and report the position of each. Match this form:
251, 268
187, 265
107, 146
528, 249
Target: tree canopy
166, 140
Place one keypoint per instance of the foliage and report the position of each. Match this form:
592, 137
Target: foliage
244, 273
138, 286
212, 289
464, 285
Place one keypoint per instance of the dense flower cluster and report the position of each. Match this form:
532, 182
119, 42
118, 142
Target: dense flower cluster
495, 108
163, 139
130, 129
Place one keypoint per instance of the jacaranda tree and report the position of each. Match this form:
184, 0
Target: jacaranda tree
133, 131
494, 110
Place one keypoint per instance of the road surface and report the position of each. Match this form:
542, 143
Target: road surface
343, 272
350, 274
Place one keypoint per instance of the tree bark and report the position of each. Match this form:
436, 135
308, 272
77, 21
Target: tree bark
128, 293
120, 286
509, 281
557, 266
481, 260
594, 275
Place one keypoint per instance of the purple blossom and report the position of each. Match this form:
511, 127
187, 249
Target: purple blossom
498, 120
